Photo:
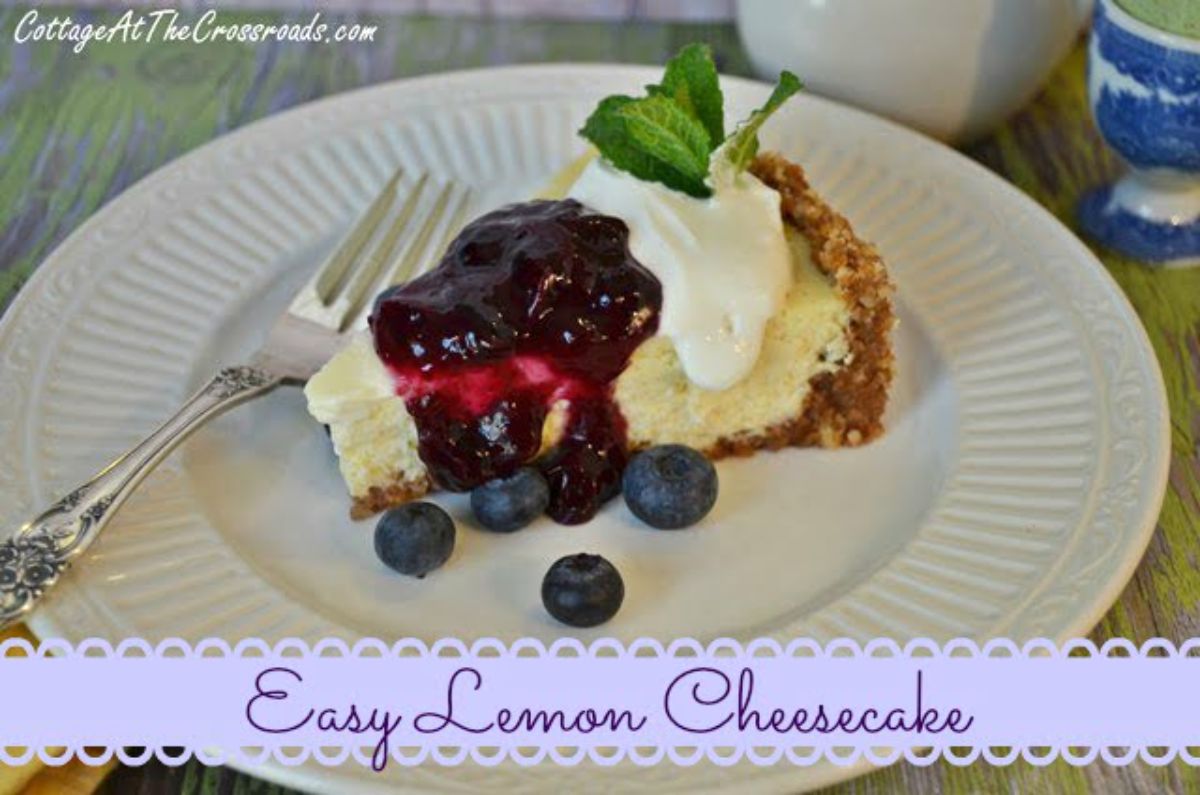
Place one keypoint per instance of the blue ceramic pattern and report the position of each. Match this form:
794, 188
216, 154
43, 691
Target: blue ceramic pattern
1148, 62
1151, 116
1147, 131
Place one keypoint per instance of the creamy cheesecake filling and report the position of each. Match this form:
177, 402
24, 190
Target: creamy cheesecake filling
805, 337
373, 435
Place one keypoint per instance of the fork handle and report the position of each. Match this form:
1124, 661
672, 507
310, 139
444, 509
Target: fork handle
32, 561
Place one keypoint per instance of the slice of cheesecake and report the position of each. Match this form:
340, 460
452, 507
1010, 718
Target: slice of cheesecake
819, 372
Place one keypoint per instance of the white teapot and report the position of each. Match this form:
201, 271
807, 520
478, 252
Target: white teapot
953, 68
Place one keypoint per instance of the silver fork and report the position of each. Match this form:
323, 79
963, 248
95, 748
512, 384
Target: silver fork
388, 245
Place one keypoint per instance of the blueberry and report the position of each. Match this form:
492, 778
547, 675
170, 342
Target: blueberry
582, 590
509, 503
670, 486
415, 538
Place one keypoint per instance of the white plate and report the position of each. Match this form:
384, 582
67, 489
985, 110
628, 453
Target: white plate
1013, 494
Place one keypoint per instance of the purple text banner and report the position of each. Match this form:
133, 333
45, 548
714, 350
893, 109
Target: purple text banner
493, 697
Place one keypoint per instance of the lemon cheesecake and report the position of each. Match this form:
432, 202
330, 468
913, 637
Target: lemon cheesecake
727, 308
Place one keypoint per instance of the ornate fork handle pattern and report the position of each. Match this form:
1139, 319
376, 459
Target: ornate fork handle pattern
32, 560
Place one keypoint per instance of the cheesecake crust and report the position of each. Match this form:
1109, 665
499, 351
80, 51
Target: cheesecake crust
843, 408
381, 498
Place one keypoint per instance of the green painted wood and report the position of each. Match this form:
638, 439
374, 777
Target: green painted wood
75, 130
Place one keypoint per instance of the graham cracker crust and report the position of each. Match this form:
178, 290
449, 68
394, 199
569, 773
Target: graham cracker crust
843, 408
380, 499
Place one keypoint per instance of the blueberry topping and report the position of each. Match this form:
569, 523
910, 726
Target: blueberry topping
415, 538
509, 503
670, 486
530, 302
582, 590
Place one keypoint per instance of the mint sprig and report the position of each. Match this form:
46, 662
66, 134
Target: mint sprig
669, 135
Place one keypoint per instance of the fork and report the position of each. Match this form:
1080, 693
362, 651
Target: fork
389, 244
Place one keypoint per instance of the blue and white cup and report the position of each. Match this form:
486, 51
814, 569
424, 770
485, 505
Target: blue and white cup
1144, 88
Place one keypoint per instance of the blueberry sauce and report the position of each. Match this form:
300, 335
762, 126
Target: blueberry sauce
532, 304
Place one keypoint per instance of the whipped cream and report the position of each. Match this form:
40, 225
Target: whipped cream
723, 261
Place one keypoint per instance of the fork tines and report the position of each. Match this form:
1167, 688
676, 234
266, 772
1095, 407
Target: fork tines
401, 235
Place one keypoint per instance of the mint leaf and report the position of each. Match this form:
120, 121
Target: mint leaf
691, 82
743, 144
666, 130
669, 135
653, 139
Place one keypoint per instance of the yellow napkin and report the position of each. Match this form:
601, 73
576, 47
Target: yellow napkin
37, 778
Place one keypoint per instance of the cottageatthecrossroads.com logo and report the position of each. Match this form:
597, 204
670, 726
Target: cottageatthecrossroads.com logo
167, 25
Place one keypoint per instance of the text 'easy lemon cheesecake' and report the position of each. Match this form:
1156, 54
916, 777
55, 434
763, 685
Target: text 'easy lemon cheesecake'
690, 291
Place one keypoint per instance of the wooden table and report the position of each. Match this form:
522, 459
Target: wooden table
76, 130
